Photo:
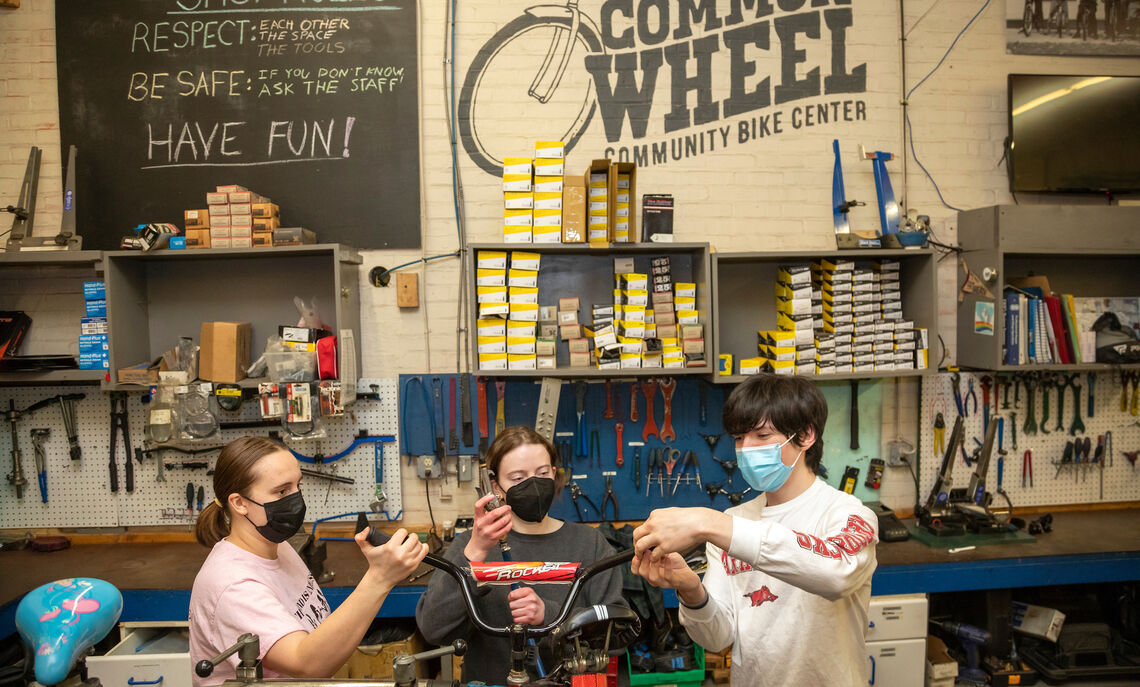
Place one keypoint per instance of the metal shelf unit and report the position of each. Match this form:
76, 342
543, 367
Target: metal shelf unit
745, 301
153, 298
586, 271
1084, 250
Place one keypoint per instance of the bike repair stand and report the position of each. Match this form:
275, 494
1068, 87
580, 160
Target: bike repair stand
20, 238
840, 206
885, 196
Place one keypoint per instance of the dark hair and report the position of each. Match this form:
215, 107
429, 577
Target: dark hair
232, 475
792, 405
520, 435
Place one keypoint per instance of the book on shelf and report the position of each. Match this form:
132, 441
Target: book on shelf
1012, 327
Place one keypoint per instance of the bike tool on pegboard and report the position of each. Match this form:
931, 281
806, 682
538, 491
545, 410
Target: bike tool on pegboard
444, 425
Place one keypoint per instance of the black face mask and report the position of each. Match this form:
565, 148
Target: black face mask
283, 517
530, 499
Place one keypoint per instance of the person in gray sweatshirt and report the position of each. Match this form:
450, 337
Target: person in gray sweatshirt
523, 467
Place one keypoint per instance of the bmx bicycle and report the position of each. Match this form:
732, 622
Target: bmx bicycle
581, 642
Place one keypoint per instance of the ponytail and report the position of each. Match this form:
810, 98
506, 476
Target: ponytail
213, 525
233, 474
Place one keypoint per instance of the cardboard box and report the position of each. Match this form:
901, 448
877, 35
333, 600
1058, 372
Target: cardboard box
623, 184
265, 210
939, 664
601, 230
1037, 621
142, 373
574, 209
197, 219
214, 198
265, 223
262, 239
225, 351
197, 238
293, 236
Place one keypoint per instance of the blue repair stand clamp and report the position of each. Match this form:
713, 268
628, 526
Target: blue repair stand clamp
840, 206
884, 194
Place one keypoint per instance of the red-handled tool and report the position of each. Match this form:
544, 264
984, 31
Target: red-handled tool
500, 406
633, 402
668, 386
609, 414
650, 390
481, 399
620, 445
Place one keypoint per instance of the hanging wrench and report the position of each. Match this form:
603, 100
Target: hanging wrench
1030, 428
1046, 382
1078, 425
620, 444
609, 414
633, 401
668, 386
1013, 429
650, 390
1064, 382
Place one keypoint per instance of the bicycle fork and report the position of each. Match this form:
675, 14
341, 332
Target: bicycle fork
558, 54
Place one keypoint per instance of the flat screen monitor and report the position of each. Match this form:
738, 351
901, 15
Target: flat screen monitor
1074, 134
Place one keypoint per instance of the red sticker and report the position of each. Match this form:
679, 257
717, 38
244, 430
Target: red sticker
536, 573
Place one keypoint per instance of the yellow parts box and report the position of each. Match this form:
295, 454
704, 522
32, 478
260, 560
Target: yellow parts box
491, 277
527, 312
523, 294
493, 361
518, 200
518, 218
525, 278
522, 361
492, 344
548, 149
521, 260
490, 294
549, 167
548, 218
548, 184
517, 166
492, 326
517, 234
547, 200
491, 259
494, 308
521, 344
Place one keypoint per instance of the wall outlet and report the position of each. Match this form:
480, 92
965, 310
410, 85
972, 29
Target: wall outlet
428, 467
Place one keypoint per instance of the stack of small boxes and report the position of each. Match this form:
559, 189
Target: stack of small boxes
631, 305
622, 213
532, 195
598, 199
94, 353
235, 218
836, 318
508, 311
518, 200
573, 332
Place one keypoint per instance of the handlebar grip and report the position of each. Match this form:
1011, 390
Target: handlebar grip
375, 536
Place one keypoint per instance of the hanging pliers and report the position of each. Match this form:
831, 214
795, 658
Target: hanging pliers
575, 494
609, 497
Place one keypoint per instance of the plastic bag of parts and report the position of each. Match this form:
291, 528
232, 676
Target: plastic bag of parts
161, 415
197, 416
301, 411
285, 364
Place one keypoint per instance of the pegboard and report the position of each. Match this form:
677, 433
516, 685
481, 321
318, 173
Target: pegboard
1052, 483
690, 424
79, 491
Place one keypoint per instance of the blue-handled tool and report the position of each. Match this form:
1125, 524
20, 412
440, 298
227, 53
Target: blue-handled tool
38, 438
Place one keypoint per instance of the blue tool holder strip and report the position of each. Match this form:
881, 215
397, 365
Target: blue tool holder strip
930, 578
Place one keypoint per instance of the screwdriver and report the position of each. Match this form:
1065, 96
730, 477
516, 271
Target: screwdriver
201, 496
654, 457
637, 468
685, 460
190, 498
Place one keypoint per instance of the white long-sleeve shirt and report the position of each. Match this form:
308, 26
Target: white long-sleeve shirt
791, 593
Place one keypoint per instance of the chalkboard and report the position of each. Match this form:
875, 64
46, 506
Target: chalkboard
312, 103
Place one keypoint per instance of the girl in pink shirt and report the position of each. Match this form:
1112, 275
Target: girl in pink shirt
253, 581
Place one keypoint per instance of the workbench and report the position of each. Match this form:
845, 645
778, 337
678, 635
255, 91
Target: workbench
1084, 547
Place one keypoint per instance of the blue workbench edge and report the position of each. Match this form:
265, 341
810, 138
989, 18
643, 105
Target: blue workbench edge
927, 578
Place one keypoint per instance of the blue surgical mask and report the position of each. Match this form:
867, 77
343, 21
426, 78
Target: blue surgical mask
762, 467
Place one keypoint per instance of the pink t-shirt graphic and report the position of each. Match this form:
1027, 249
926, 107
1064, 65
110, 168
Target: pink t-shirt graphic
237, 592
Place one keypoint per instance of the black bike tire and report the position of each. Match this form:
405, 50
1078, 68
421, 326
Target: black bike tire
1027, 18
464, 109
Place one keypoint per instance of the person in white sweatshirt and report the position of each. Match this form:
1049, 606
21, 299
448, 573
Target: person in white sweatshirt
789, 572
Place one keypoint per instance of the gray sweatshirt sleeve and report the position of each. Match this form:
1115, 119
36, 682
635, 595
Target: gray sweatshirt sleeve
440, 613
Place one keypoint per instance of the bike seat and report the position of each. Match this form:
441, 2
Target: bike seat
594, 624
61, 620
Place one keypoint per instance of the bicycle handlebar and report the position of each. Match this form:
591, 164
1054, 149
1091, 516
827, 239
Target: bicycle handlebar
463, 577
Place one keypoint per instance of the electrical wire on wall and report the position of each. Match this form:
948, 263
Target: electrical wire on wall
909, 129
462, 347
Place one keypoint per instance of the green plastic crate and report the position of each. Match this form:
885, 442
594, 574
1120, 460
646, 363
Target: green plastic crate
681, 678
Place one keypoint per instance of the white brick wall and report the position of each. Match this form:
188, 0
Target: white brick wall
775, 191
